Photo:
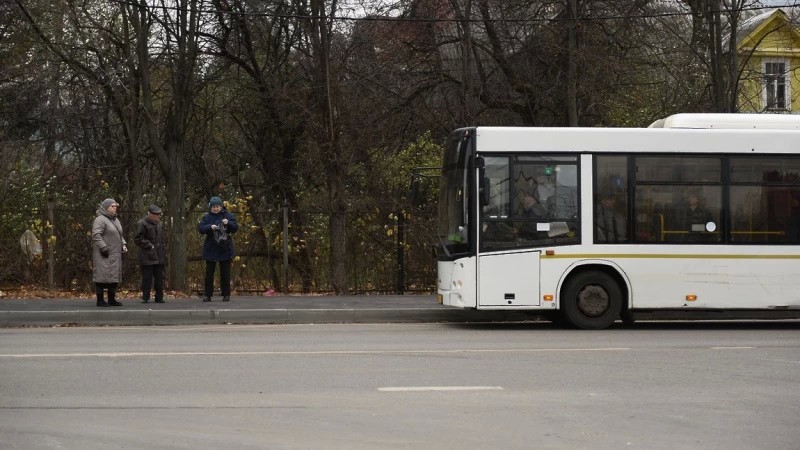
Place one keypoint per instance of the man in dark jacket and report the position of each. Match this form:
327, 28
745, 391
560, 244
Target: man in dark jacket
152, 253
217, 225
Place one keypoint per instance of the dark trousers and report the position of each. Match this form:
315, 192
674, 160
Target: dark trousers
112, 291
224, 278
148, 274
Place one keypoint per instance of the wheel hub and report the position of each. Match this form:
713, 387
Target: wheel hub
593, 300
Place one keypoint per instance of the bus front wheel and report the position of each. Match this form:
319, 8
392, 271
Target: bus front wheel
592, 300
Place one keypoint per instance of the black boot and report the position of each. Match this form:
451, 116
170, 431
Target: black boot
112, 298
206, 299
226, 298
99, 292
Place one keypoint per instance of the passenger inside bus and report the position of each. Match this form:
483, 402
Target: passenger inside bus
545, 188
530, 207
692, 221
610, 224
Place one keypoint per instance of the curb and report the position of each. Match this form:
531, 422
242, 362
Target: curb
253, 316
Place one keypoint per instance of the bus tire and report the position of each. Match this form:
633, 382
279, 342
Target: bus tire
591, 300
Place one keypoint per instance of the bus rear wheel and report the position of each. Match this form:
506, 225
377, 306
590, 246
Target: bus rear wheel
592, 300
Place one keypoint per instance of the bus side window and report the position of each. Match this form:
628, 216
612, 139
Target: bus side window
611, 209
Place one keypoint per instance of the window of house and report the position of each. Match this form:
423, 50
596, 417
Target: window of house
775, 85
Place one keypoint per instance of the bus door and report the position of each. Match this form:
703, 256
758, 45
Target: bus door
507, 274
508, 279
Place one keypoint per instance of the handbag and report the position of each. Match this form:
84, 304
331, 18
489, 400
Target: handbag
221, 236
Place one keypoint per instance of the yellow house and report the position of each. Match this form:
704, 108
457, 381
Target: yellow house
769, 54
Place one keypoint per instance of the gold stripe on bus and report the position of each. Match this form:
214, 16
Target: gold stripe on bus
662, 256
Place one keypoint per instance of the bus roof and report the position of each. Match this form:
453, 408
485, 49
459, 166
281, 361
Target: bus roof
637, 140
730, 121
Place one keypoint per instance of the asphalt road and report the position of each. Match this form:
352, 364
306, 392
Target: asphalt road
531, 385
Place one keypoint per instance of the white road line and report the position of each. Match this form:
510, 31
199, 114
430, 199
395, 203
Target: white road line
731, 348
439, 388
290, 353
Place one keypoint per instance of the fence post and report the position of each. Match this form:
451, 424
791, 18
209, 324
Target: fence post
285, 249
51, 243
401, 253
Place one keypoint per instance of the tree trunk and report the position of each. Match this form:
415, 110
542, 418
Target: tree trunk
715, 37
733, 58
176, 215
467, 92
572, 65
338, 225
181, 56
320, 35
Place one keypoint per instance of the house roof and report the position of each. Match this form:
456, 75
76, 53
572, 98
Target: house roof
751, 29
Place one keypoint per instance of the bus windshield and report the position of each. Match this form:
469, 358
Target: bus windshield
453, 207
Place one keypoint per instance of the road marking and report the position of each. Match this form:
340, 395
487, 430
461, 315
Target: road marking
439, 388
290, 353
731, 348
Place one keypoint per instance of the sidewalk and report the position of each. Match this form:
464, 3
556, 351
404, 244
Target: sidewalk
244, 310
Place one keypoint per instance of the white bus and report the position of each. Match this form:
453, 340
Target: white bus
697, 215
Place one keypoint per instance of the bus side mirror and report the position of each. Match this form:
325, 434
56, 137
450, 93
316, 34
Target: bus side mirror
417, 175
483, 186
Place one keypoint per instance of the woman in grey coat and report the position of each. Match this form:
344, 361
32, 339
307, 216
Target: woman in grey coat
107, 250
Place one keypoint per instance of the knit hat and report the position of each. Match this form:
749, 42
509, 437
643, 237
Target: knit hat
154, 209
107, 202
214, 201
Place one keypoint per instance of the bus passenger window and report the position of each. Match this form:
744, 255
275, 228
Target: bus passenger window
678, 199
611, 199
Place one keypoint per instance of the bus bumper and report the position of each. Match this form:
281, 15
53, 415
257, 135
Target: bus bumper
456, 283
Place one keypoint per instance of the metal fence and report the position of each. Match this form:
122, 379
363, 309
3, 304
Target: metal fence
279, 249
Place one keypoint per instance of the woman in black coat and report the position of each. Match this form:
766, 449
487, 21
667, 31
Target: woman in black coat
152, 253
218, 225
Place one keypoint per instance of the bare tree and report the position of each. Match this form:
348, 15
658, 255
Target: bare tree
93, 99
259, 50
319, 32
539, 62
166, 114
714, 23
